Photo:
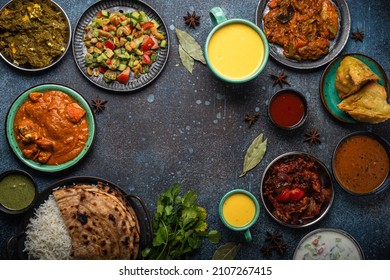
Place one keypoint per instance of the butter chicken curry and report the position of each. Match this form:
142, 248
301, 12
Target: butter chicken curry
50, 127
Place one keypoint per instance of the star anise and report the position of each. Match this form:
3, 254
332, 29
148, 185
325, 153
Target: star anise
280, 247
280, 79
358, 35
99, 105
313, 137
252, 118
274, 237
192, 20
266, 251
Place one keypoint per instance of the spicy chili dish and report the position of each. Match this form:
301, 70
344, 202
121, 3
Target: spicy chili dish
302, 28
50, 127
297, 189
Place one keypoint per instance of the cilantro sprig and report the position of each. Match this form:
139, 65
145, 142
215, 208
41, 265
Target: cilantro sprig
179, 223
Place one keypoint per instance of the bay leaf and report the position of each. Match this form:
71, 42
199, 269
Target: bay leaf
190, 46
227, 251
186, 59
254, 154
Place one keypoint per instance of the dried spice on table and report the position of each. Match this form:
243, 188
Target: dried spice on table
273, 242
227, 251
189, 50
266, 251
313, 137
357, 35
254, 154
251, 119
273, 237
99, 105
280, 247
192, 19
280, 79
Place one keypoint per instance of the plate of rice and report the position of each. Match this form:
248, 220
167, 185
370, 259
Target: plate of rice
83, 218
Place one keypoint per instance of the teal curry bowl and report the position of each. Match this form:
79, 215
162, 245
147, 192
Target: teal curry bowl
50, 127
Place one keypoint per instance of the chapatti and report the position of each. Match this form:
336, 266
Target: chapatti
101, 222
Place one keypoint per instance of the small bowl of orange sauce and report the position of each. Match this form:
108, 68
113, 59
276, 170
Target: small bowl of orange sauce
287, 109
360, 163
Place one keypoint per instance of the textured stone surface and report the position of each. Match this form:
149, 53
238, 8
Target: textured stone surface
190, 129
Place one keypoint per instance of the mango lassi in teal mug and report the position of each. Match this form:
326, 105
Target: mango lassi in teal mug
239, 210
236, 50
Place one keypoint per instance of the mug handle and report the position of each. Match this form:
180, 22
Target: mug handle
217, 16
248, 235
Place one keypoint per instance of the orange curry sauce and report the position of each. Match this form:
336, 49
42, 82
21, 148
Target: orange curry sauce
50, 127
361, 164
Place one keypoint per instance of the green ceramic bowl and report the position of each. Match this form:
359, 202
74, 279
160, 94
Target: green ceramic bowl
329, 95
10, 124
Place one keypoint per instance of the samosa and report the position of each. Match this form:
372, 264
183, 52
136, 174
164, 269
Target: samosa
352, 75
368, 105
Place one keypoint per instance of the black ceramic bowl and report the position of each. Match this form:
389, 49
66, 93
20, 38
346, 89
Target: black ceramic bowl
16, 244
287, 109
360, 163
280, 195
20, 185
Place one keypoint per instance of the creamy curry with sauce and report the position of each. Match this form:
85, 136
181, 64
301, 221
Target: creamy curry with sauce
361, 164
50, 127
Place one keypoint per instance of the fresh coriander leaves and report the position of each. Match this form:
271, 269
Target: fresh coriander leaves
179, 224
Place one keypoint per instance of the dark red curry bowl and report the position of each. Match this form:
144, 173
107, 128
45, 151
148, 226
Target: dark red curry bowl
287, 109
297, 189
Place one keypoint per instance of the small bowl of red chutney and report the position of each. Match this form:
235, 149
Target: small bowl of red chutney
287, 109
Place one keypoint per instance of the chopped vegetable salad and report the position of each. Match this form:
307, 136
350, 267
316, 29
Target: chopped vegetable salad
122, 44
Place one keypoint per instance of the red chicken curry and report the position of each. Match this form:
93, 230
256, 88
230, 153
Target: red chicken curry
302, 27
50, 127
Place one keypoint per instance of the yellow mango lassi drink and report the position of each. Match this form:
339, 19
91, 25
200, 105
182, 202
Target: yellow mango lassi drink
236, 51
238, 210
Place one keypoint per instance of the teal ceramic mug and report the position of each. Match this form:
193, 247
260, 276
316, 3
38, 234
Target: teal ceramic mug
236, 50
239, 210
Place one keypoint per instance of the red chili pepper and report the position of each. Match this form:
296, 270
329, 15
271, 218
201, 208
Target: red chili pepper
284, 196
290, 195
296, 194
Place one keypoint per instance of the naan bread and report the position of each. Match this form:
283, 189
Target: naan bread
352, 75
100, 221
368, 105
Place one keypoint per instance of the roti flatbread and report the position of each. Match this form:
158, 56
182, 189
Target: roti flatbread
101, 222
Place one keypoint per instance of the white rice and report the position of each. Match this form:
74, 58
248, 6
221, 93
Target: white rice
47, 237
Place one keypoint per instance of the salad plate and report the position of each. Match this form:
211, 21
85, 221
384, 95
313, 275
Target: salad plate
80, 50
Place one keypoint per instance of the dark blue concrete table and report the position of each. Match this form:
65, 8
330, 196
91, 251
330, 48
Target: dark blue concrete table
190, 129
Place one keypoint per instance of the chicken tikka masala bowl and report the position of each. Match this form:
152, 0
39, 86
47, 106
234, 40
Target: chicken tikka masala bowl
50, 127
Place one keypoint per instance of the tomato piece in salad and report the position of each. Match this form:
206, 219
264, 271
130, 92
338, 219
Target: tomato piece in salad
123, 77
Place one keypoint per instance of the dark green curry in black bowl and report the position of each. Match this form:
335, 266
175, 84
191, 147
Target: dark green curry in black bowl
34, 34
